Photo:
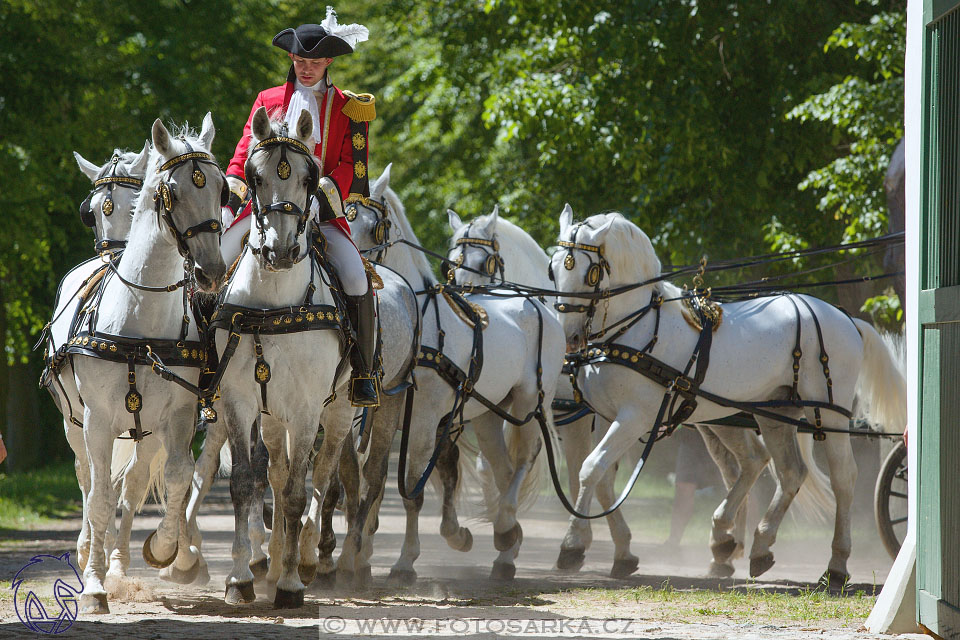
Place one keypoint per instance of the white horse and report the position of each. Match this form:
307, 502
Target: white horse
524, 262
178, 202
275, 274
751, 360
109, 210
508, 378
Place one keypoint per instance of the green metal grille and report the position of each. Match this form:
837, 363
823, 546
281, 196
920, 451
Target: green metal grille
942, 268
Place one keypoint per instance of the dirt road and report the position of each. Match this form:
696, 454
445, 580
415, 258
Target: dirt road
454, 597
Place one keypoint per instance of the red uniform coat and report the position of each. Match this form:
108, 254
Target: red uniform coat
338, 163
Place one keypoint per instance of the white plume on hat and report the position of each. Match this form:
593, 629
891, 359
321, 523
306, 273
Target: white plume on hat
352, 34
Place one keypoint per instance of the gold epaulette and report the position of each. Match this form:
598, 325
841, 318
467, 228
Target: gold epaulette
360, 107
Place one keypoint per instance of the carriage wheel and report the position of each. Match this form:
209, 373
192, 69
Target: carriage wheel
890, 499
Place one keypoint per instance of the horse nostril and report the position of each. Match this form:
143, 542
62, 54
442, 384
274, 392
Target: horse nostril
294, 252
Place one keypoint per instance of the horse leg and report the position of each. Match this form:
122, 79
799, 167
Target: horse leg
577, 444
422, 440
326, 570
448, 470
621, 435
273, 435
81, 465
258, 535
624, 562
781, 442
102, 506
383, 425
741, 457
171, 542
239, 582
843, 477
136, 481
289, 587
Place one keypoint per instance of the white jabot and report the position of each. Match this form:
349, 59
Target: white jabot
303, 98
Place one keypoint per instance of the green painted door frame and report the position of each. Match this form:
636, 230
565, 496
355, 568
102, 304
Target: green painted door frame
938, 479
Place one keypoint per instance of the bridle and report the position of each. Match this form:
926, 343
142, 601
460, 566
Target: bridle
592, 278
381, 228
286, 207
163, 197
492, 263
107, 206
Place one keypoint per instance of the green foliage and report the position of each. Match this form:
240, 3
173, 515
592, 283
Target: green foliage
32, 499
885, 311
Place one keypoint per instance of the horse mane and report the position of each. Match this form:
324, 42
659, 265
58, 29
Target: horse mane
406, 231
627, 248
126, 157
179, 136
523, 240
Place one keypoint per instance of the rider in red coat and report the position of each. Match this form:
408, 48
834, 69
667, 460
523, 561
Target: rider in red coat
340, 122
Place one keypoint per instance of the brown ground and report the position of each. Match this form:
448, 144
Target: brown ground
454, 586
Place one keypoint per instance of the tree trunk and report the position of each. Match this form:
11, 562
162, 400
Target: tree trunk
24, 440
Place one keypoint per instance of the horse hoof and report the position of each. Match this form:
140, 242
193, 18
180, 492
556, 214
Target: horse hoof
570, 559
624, 567
307, 572
461, 541
203, 577
506, 540
149, 558
179, 576
240, 593
288, 599
344, 578
96, 603
718, 570
402, 577
502, 571
760, 565
326, 580
723, 550
833, 580
259, 569
267, 516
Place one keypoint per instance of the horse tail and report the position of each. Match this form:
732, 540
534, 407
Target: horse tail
226, 461
156, 486
532, 483
124, 455
882, 385
814, 501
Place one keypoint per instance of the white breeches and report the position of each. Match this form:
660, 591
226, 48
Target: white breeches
345, 258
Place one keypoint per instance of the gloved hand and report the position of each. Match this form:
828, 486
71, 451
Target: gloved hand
238, 191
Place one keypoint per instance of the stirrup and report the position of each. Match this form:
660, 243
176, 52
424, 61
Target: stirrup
355, 387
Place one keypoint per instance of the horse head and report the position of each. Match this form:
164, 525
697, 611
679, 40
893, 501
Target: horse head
109, 207
474, 255
603, 252
282, 174
371, 225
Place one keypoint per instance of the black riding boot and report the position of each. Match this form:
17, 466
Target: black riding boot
364, 387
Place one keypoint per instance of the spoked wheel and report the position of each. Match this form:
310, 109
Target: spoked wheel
890, 499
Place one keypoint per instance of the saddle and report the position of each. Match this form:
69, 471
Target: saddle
708, 308
466, 310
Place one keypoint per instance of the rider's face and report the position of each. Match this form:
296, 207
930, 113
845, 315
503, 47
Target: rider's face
309, 70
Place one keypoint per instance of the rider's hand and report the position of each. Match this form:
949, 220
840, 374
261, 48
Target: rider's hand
238, 191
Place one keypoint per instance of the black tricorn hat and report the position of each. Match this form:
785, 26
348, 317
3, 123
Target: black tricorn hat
311, 41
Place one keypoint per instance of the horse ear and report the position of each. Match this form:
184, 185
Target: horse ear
161, 138
207, 131
601, 232
139, 166
454, 220
566, 218
381, 184
304, 126
260, 125
491, 226
89, 169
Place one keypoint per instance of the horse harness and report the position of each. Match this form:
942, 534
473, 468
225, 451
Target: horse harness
158, 354
109, 183
284, 170
492, 263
